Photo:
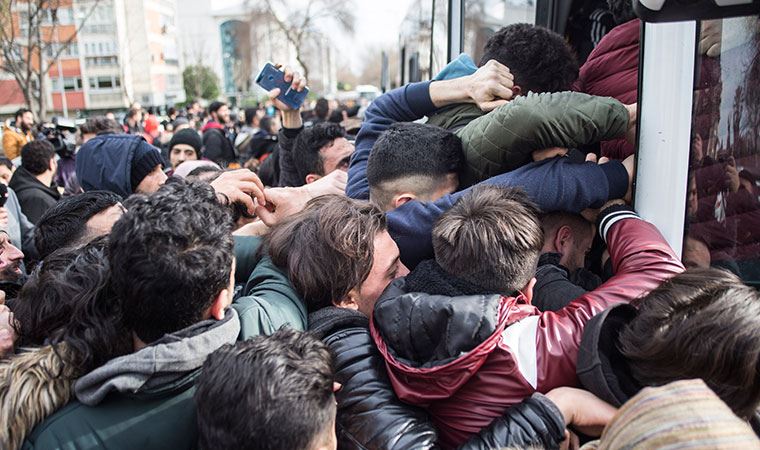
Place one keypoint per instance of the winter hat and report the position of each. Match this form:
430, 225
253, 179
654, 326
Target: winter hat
188, 137
678, 415
146, 159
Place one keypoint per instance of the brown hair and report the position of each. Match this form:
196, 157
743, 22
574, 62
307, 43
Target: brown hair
552, 222
328, 248
491, 237
703, 323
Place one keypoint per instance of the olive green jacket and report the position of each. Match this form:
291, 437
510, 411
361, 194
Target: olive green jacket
504, 139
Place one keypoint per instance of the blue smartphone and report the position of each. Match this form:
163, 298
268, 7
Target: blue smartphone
271, 78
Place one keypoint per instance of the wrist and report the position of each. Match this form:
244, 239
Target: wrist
448, 92
291, 119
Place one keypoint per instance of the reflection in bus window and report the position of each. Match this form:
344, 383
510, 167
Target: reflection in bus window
483, 18
723, 202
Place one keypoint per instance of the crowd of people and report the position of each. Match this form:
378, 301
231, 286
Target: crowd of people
445, 268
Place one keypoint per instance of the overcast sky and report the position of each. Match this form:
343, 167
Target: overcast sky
377, 23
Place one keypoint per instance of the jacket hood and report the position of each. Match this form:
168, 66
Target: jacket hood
462, 66
23, 180
329, 320
105, 163
433, 344
601, 367
168, 364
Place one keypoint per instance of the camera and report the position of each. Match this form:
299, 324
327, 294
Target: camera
60, 133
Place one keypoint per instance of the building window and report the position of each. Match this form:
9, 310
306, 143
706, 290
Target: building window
106, 82
101, 61
66, 51
70, 84
103, 48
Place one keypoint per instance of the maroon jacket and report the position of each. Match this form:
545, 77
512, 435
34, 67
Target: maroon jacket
469, 358
612, 70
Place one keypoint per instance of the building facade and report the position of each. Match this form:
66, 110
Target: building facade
123, 51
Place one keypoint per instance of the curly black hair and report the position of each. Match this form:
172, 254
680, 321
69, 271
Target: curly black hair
539, 58
622, 10
307, 145
36, 156
171, 255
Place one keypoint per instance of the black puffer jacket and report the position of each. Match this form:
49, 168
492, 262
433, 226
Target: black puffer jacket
370, 416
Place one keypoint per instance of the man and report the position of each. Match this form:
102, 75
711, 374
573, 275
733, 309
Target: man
11, 260
77, 220
6, 170
177, 243
34, 182
412, 161
702, 323
465, 318
561, 275
217, 145
351, 235
133, 120
268, 393
185, 145
18, 135
321, 149
121, 163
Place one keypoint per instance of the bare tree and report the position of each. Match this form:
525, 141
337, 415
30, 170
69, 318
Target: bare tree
300, 24
30, 43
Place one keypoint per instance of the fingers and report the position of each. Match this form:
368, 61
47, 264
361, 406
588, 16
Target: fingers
490, 106
273, 93
266, 216
2, 298
604, 160
591, 157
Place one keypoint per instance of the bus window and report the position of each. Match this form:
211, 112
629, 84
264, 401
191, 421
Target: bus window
723, 201
483, 18
439, 57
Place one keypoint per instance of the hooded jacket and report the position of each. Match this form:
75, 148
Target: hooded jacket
20, 229
105, 163
466, 359
141, 400
612, 70
370, 416
34, 197
216, 146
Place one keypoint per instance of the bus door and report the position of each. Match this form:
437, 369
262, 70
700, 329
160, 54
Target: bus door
698, 158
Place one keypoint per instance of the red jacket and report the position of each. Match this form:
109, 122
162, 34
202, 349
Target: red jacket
467, 359
612, 70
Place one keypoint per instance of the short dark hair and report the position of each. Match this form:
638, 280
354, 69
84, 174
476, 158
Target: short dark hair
21, 112
250, 114
622, 10
214, 106
100, 124
6, 162
36, 156
540, 59
171, 255
266, 124
322, 108
205, 174
551, 222
421, 155
328, 248
703, 323
308, 144
133, 112
491, 237
65, 223
267, 393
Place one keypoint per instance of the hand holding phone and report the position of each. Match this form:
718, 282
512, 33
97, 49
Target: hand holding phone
292, 90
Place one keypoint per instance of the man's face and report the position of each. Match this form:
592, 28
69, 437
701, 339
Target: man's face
5, 174
101, 223
223, 115
152, 182
10, 260
386, 267
580, 245
336, 155
25, 121
181, 153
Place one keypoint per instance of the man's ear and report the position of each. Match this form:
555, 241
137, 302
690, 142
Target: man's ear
516, 90
527, 291
350, 301
221, 302
563, 238
402, 198
312, 177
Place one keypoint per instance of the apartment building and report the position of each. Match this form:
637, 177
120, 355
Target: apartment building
125, 52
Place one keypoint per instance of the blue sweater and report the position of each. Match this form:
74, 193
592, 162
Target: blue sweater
554, 185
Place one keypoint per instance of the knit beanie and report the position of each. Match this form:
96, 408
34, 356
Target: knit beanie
188, 137
682, 414
145, 159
